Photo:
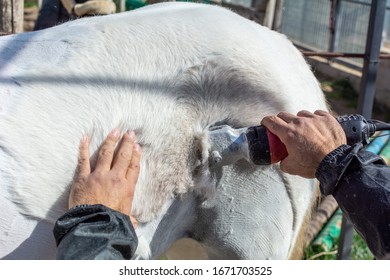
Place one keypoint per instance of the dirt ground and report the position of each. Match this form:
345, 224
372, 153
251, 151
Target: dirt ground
343, 99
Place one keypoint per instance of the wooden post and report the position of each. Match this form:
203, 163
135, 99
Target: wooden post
270, 14
11, 16
277, 24
122, 6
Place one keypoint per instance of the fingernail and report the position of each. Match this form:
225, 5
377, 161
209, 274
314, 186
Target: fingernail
84, 139
137, 147
115, 132
131, 134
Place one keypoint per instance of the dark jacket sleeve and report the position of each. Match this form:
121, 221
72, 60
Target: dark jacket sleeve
360, 182
94, 232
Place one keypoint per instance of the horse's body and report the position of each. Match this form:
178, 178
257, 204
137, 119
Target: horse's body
167, 71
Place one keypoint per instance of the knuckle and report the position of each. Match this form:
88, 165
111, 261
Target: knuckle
298, 121
116, 179
135, 166
97, 177
105, 152
321, 112
94, 180
267, 118
291, 134
273, 118
125, 154
82, 160
270, 121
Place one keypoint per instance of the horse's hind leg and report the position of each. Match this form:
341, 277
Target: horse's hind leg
253, 216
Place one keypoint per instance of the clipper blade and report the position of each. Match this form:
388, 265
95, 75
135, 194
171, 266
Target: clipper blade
228, 145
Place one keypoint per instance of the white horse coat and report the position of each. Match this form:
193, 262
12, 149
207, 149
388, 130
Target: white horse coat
168, 72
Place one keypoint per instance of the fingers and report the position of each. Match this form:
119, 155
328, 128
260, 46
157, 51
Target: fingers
127, 157
124, 155
305, 113
105, 185
134, 167
322, 113
287, 117
274, 124
308, 114
106, 152
83, 168
275, 121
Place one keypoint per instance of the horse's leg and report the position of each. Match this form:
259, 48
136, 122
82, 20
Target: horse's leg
255, 214
157, 236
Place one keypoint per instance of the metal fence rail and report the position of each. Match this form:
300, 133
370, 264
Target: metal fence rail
331, 25
307, 22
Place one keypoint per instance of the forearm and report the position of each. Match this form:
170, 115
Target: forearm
94, 232
360, 182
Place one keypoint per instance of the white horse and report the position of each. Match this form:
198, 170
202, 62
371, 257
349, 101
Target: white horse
168, 72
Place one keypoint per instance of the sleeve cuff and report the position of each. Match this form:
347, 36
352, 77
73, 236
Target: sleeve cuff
89, 214
94, 232
333, 166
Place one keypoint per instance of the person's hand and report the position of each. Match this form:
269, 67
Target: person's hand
308, 139
112, 182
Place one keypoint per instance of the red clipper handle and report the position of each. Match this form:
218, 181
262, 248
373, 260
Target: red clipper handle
276, 147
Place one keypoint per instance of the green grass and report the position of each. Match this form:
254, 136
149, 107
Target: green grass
340, 89
30, 3
359, 251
